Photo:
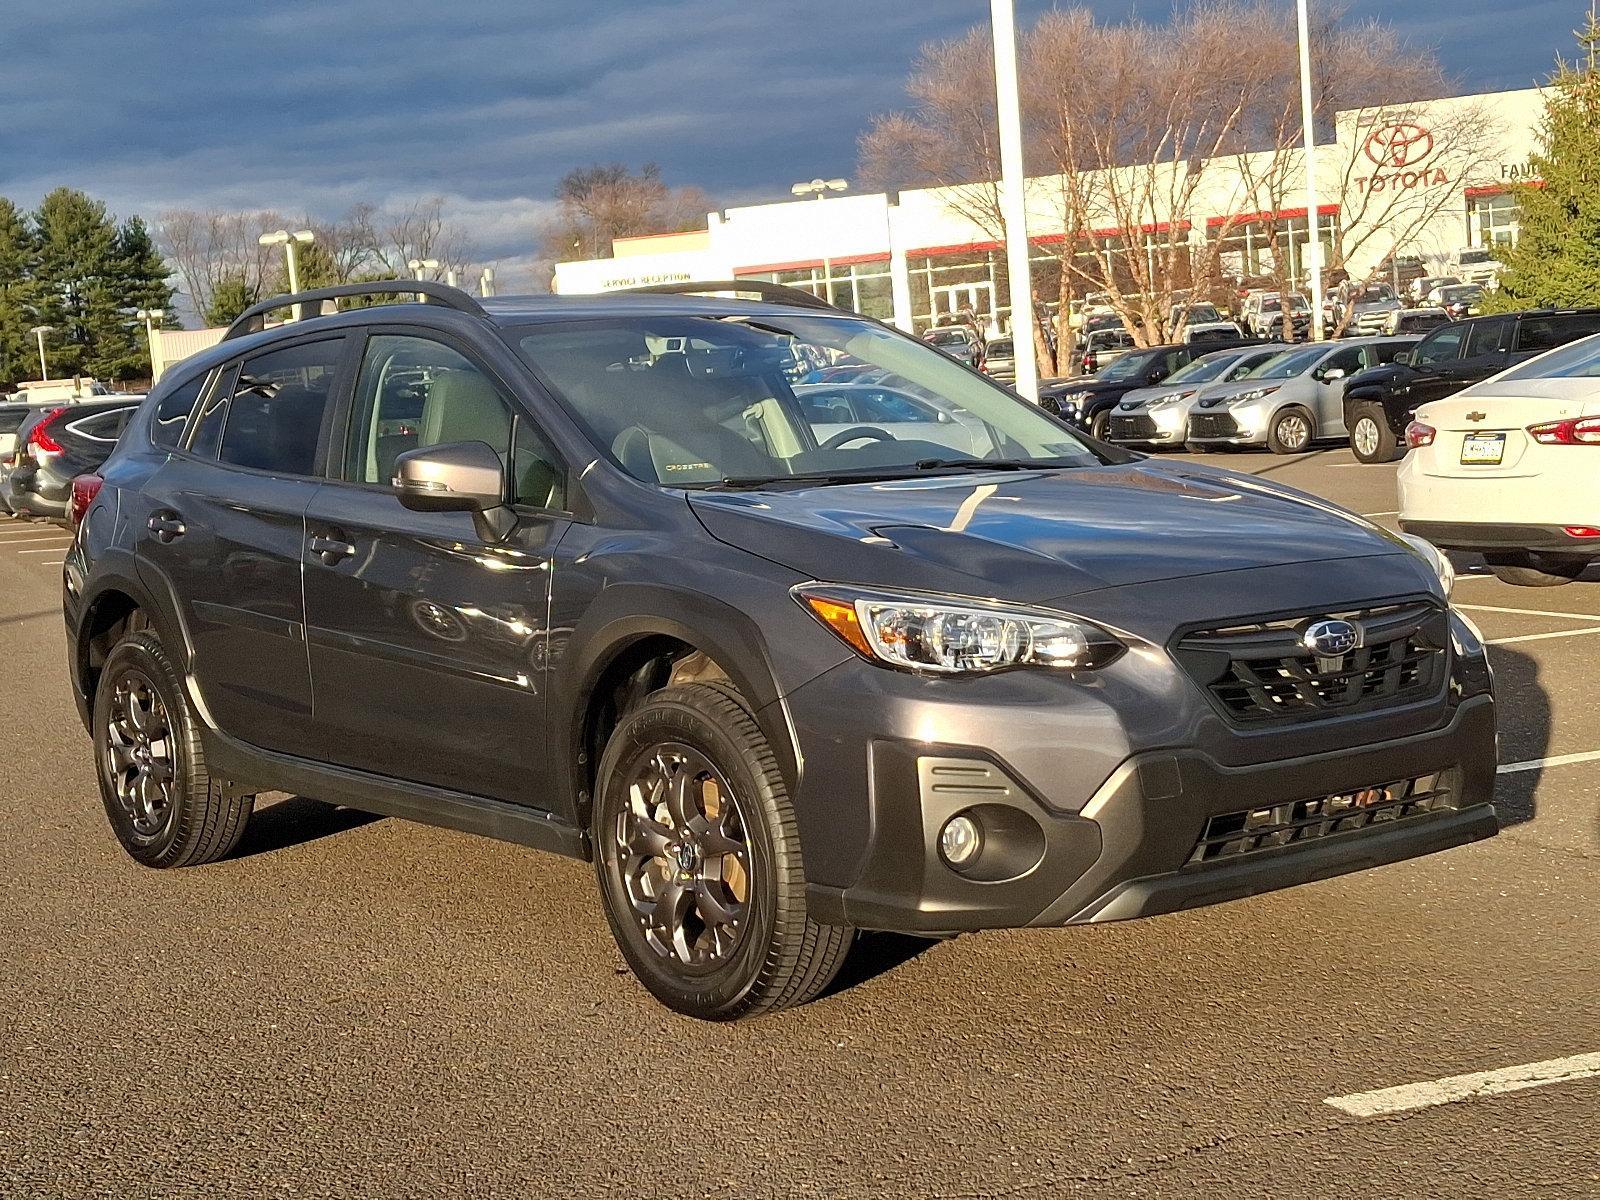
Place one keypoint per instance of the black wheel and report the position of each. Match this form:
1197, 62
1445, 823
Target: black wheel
163, 804
698, 857
1100, 425
1546, 574
1371, 439
1290, 432
1199, 448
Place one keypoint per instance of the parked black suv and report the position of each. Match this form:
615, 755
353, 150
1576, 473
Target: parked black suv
1086, 403
578, 573
1380, 402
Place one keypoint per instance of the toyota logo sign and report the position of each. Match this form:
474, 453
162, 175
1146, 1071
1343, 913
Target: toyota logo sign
1399, 145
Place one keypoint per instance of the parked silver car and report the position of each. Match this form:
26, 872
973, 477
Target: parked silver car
1291, 400
1159, 416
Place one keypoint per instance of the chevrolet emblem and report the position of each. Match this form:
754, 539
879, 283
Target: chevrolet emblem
1477, 416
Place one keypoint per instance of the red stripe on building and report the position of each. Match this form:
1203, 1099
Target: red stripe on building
844, 260
1500, 189
1283, 214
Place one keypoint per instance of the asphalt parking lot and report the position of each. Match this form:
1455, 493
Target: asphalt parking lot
364, 1007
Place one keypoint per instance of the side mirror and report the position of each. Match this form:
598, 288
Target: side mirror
1157, 375
1332, 373
454, 477
1403, 357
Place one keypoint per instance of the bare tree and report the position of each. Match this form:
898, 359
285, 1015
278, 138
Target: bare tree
213, 249
603, 202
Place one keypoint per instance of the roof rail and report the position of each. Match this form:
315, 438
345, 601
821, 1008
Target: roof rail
777, 292
253, 319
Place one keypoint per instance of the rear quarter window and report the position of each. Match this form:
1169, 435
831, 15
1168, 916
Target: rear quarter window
1536, 334
172, 411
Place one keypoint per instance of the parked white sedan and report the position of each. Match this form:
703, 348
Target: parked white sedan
1510, 468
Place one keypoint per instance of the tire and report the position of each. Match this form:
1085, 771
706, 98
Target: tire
1371, 439
1099, 426
163, 804
1291, 431
1521, 576
1199, 448
727, 955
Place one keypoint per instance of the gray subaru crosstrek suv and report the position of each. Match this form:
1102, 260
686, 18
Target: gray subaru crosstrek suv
578, 573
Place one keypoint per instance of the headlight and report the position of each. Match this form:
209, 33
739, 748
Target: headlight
954, 635
1436, 559
1169, 401
1254, 394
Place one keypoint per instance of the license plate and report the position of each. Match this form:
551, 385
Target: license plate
1483, 448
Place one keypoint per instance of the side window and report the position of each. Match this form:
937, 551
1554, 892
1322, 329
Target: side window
889, 408
1489, 337
1382, 354
1537, 334
172, 413
1441, 347
207, 434
415, 392
537, 477
1347, 360
101, 427
274, 417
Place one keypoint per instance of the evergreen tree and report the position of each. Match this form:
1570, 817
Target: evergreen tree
18, 255
232, 296
1556, 262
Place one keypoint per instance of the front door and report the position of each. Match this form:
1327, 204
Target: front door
427, 636
221, 525
1330, 392
1436, 359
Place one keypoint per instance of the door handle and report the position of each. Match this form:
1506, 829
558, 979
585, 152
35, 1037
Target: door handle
166, 527
330, 550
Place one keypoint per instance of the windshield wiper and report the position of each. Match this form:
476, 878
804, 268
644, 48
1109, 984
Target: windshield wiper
986, 464
738, 483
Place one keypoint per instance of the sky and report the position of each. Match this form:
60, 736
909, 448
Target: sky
312, 105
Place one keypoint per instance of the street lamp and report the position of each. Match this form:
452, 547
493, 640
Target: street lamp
422, 265
1313, 223
1013, 198
150, 316
486, 282
820, 188
39, 331
291, 242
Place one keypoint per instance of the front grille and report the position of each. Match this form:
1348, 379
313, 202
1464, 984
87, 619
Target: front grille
1133, 428
1261, 673
1212, 425
1255, 829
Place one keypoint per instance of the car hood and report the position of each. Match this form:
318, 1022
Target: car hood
1039, 536
1217, 394
1080, 387
1140, 397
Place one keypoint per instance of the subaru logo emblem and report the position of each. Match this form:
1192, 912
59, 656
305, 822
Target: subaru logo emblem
1331, 639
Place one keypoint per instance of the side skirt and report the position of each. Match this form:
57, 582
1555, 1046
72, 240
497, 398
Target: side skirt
251, 768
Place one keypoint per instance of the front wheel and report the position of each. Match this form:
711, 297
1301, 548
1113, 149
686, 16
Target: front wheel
1290, 432
1100, 426
698, 856
1371, 439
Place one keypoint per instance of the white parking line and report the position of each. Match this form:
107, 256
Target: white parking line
49, 562
1559, 760
39, 536
1530, 612
1395, 513
1539, 637
1467, 1087
47, 550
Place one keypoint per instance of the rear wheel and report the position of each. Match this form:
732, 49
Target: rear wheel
698, 856
163, 804
1371, 439
1290, 432
1546, 574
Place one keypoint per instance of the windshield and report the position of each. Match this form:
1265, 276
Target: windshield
1467, 291
696, 401
1197, 313
1129, 366
1289, 364
1374, 293
1203, 370
947, 337
1001, 348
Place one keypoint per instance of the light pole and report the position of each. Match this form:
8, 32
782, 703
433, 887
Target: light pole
291, 243
486, 282
420, 266
1013, 197
1313, 223
150, 316
820, 188
39, 331
450, 276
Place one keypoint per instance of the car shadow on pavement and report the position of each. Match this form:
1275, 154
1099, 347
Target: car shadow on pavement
877, 954
23, 618
295, 821
1524, 720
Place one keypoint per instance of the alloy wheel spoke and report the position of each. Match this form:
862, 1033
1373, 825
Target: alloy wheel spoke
644, 837
713, 911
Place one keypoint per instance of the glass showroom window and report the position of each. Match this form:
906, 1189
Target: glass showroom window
1494, 220
860, 287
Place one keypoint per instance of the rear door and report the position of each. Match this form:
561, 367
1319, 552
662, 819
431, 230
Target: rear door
223, 530
427, 637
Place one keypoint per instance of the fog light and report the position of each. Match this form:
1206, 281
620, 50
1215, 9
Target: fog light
960, 840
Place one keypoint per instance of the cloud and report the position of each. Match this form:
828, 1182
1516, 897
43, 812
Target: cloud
310, 106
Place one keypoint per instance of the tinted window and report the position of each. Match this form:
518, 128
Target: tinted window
536, 474
102, 426
208, 426
1489, 337
1546, 333
1384, 352
275, 414
414, 392
1347, 360
1441, 346
1571, 361
172, 413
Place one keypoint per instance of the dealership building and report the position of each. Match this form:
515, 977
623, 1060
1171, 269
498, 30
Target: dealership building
1427, 180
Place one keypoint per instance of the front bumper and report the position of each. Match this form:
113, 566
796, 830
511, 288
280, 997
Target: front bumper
1125, 845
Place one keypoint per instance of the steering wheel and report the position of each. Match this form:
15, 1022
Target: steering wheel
857, 431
